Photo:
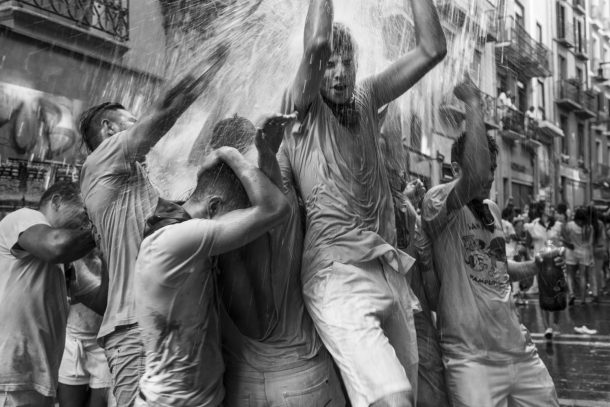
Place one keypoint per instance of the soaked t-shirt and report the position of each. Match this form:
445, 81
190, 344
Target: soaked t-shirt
290, 339
33, 311
177, 308
341, 176
119, 198
476, 315
582, 239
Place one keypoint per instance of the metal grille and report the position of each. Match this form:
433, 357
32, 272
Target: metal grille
108, 16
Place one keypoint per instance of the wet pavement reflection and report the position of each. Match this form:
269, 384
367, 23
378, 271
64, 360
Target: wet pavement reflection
578, 363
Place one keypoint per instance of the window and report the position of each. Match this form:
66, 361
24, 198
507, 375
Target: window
562, 67
541, 101
580, 141
579, 75
598, 152
561, 21
607, 149
580, 35
539, 32
519, 13
565, 141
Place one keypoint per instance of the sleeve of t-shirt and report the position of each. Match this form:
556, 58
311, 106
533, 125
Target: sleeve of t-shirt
17, 223
435, 216
111, 158
194, 237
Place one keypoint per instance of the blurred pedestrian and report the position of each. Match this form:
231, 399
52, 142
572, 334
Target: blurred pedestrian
579, 238
543, 229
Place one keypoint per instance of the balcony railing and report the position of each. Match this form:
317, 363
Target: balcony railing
108, 16
589, 104
513, 121
565, 34
580, 5
520, 52
569, 94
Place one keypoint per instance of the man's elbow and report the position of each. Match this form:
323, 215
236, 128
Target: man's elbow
437, 53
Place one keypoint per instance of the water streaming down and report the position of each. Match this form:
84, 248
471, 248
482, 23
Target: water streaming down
263, 41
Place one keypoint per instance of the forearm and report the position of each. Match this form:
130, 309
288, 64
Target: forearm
267, 163
521, 270
429, 33
319, 23
476, 163
258, 187
70, 244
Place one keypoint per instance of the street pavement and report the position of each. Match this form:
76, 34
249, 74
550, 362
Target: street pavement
579, 364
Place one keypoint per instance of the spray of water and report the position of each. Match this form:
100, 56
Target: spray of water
264, 39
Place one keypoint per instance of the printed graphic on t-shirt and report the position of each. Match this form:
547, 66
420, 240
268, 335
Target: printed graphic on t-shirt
486, 261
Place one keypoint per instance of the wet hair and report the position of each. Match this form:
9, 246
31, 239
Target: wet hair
237, 132
221, 180
457, 149
561, 208
343, 40
89, 124
69, 192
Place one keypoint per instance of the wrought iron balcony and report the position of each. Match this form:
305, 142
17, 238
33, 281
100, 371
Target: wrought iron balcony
569, 94
517, 50
513, 124
589, 104
110, 17
565, 34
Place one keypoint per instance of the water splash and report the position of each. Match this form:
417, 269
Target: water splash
265, 38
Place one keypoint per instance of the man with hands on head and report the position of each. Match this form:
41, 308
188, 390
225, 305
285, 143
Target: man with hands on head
176, 290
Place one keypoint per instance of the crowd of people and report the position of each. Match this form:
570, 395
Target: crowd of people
296, 273
584, 234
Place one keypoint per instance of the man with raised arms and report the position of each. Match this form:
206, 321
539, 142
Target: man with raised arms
488, 355
353, 278
119, 197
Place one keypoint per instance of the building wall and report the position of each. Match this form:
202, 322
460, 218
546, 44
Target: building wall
46, 82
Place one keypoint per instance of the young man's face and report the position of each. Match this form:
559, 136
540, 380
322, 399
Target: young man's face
339, 77
113, 122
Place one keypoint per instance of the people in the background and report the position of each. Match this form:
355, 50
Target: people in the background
579, 238
545, 228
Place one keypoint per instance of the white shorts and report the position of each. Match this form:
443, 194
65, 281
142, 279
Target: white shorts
84, 363
523, 383
579, 256
367, 328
